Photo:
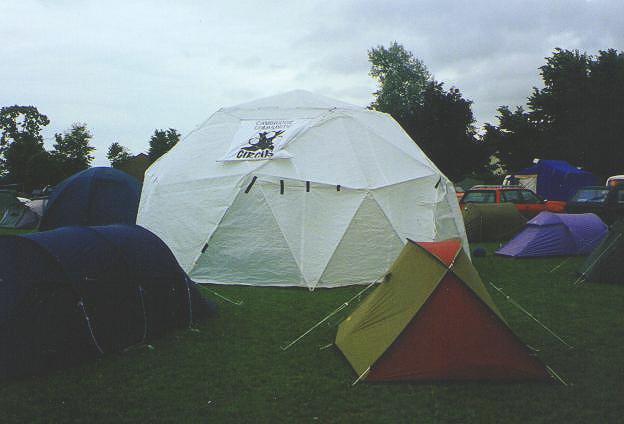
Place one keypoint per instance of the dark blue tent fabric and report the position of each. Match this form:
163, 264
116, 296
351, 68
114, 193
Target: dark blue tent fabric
95, 196
557, 179
76, 292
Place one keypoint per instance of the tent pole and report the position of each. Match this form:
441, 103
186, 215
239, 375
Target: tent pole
556, 376
561, 263
227, 299
517, 305
361, 376
581, 278
334, 312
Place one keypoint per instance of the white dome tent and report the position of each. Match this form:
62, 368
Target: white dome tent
296, 190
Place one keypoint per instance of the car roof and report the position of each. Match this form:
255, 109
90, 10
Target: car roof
498, 187
596, 187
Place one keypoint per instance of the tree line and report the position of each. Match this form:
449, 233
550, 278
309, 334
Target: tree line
26, 163
577, 116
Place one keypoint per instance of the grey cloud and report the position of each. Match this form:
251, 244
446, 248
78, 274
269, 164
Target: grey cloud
126, 68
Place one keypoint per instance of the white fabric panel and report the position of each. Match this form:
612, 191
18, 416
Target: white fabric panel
184, 214
449, 221
374, 153
312, 222
410, 206
248, 247
387, 128
366, 251
296, 99
322, 154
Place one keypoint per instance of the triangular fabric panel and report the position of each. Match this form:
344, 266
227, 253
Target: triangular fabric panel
370, 243
312, 222
467, 273
259, 255
445, 251
456, 337
410, 207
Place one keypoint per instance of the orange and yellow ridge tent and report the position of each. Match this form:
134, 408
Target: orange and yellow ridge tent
433, 319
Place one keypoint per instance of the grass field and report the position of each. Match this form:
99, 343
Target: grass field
232, 368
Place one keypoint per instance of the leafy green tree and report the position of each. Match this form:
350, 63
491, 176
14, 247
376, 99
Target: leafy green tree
23, 158
72, 150
402, 80
161, 142
440, 121
576, 116
515, 141
117, 154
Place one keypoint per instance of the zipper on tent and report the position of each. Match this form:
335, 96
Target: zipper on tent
281, 186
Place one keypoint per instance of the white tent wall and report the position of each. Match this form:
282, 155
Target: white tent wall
367, 249
184, 214
323, 237
257, 255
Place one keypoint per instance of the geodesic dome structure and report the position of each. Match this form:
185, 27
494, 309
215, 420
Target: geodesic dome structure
296, 190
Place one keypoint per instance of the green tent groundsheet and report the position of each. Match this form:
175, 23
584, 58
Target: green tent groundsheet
492, 222
605, 264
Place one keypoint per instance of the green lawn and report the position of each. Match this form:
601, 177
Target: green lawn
232, 368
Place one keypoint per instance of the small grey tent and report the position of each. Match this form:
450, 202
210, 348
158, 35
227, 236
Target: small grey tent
19, 216
492, 222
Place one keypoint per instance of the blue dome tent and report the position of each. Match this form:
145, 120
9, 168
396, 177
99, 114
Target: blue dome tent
74, 293
95, 196
556, 179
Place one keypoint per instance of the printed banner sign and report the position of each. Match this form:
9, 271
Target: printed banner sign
262, 139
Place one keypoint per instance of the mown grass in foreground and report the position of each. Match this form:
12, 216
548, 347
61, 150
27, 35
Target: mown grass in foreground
233, 369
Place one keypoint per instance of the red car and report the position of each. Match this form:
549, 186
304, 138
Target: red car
527, 202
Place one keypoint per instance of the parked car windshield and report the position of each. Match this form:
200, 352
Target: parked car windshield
620, 195
530, 197
520, 196
512, 196
594, 195
479, 197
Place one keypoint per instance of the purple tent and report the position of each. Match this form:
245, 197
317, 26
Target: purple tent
556, 234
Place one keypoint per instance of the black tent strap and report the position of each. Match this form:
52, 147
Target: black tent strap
283, 187
438, 183
253, 180
188, 292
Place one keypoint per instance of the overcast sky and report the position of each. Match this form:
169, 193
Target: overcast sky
128, 67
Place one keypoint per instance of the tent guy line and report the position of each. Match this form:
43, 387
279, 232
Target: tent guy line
517, 305
334, 312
